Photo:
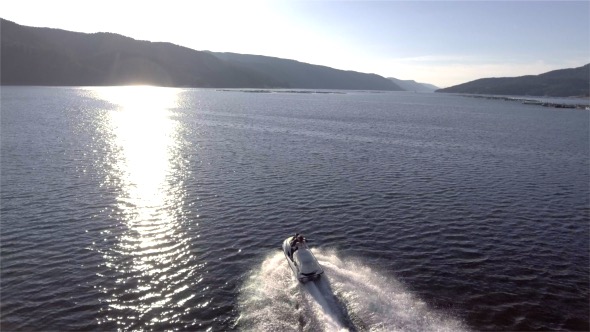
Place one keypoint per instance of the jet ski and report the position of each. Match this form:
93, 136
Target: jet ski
301, 260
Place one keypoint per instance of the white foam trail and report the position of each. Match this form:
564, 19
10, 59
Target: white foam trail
322, 302
348, 296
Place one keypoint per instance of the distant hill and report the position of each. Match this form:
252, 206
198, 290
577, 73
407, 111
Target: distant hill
44, 56
557, 83
411, 85
297, 74
41, 56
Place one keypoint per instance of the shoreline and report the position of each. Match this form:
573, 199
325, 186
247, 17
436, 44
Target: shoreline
536, 102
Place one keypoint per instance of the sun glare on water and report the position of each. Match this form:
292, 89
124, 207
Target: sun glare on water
145, 133
152, 247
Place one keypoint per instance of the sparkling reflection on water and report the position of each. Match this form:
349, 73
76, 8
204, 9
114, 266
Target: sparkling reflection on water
150, 261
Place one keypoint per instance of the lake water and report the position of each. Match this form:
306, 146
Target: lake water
139, 208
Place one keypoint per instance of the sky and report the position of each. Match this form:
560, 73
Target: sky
439, 42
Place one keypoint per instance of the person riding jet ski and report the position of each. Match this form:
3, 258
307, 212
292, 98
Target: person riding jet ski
294, 240
301, 260
297, 242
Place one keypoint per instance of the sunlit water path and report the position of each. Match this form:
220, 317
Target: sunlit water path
152, 267
141, 208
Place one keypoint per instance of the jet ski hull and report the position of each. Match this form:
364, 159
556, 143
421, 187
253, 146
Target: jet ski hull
302, 261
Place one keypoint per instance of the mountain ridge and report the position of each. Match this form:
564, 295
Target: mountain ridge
569, 82
411, 85
308, 76
47, 56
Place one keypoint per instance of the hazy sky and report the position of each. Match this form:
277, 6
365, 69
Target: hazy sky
438, 42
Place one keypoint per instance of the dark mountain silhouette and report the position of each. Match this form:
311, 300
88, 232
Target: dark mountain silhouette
557, 83
302, 75
411, 85
44, 56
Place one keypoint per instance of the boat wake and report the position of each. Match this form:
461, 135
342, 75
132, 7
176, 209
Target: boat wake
348, 297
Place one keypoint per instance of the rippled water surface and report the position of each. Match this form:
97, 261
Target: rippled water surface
155, 209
